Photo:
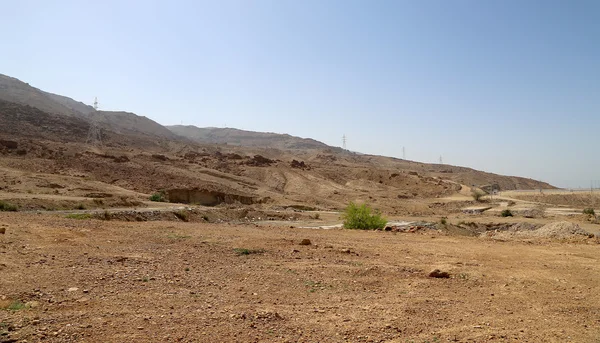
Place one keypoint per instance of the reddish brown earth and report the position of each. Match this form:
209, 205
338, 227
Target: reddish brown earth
108, 281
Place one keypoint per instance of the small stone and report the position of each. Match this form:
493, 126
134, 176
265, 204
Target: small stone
2, 230
436, 273
305, 242
73, 289
140, 328
86, 291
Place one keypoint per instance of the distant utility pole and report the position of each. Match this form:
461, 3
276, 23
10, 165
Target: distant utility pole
94, 136
403, 153
344, 141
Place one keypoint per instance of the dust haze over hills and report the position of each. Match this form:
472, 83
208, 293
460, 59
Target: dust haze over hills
139, 154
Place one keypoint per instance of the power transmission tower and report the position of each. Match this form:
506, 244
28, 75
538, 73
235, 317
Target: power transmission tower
94, 136
344, 141
403, 153
441, 161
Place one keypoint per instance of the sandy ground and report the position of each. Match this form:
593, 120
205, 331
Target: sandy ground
109, 281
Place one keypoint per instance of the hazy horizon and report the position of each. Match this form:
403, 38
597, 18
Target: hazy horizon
509, 87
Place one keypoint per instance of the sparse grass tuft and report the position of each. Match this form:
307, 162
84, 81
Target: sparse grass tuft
182, 215
80, 207
8, 207
506, 213
444, 221
362, 217
16, 305
316, 216
79, 216
106, 215
244, 251
177, 236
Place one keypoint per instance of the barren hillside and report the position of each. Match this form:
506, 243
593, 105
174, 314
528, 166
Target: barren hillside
230, 136
47, 137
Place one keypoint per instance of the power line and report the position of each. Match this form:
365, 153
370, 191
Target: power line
94, 136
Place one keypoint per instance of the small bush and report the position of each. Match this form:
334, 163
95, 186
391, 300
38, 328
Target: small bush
589, 212
4, 206
182, 215
244, 251
362, 218
477, 194
158, 197
444, 221
506, 213
106, 215
80, 207
316, 216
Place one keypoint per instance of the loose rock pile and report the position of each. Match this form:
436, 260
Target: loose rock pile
556, 230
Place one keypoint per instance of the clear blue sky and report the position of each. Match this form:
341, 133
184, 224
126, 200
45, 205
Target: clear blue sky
510, 87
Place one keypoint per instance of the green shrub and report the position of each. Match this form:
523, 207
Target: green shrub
444, 221
4, 206
158, 197
589, 212
80, 207
362, 217
506, 213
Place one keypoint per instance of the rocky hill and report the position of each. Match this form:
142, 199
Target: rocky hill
16, 91
140, 155
231, 136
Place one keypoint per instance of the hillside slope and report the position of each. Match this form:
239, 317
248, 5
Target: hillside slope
231, 136
17, 91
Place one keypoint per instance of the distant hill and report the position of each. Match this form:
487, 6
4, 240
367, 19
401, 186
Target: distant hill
127, 123
16, 91
74, 105
28, 114
230, 136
